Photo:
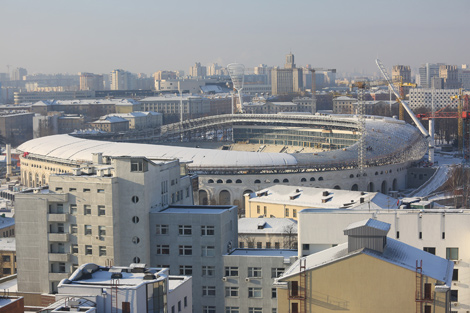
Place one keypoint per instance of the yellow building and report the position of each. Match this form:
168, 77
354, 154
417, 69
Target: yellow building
369, 273
7, 256
283, 201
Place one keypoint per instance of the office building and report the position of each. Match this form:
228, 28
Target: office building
450, 77
197, 70
287, 80
426, 73
90, 81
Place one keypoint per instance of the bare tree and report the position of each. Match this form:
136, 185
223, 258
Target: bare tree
249, 240
457, 184
289, 237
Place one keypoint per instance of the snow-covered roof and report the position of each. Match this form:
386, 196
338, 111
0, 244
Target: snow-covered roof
313, 197
372, 223
265, 252
266, 225
6, 222
214, 209
344, 98
8, 244
86, 102
395, 252
110, 120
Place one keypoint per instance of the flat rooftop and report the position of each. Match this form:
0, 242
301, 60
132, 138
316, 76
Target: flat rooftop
197, 209
265, 252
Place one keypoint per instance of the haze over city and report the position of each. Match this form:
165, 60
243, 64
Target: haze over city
144, 36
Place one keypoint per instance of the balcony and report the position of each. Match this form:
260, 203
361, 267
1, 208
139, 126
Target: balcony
57, 217
59, 257
58, 276
58, 237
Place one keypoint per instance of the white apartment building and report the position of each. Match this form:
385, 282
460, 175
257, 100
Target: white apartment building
99, 214
193, 106
134, 288
248, 278
427, 97
191, 240
444, 233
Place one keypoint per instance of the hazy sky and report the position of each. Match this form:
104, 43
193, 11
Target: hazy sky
51, 36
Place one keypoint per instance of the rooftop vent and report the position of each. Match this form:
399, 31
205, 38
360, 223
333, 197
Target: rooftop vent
325, 193
261, 224
262, 193
116, 275
150, 276
294, 196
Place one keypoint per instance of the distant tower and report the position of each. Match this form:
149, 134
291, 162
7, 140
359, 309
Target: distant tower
237, 75
290, 61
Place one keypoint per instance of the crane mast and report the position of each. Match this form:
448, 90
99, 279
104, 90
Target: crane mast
408, 109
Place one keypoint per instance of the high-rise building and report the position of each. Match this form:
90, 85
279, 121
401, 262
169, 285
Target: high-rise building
18, 73
90, 81
287, 80
164, 75
450, 76
464, 76
197, 70
427, 72
121, 80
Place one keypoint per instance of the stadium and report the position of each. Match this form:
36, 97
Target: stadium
240, 153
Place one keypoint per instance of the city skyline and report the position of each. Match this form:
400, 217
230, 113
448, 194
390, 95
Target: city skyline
143, 37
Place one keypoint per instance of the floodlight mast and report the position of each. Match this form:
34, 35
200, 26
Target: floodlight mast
408, 109
237, 75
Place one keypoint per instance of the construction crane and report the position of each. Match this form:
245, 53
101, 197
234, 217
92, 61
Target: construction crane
401, 84
461, 115
314, 83
410, 112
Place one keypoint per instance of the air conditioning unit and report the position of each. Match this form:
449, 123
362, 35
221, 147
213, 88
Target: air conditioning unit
247, 279
224, 278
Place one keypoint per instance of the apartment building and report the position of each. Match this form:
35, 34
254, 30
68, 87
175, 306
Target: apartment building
98, 214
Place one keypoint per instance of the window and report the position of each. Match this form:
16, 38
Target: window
185, 250
73, 228
452, 253
208, 271
420, 235
86, 190
6, 258
60, 228
74, 248
276, 272
254, 292
231, 291
86, 209
6, 271
186, 270
455, 275
241, 244
398, 235
163, 249
277, 245
73, 209
100, 191
232, 309
208, 309
72, 189
251, 244
138, 165
173, 309
431, 250
179, 306
185, 301
287, 212
255, 310
208, 291
268, 245
294, 213
101, 210
88, 230
454, 295
184, 230
101, 231
162, 229
273, 293
254, 272
231, 271
443, 235
208, 251
102, 250
259, 245
88, 250
258, 210
207, 230
58, 189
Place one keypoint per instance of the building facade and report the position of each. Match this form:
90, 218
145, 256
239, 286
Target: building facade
287, 80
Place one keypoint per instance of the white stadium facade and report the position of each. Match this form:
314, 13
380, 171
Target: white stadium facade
224, 176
